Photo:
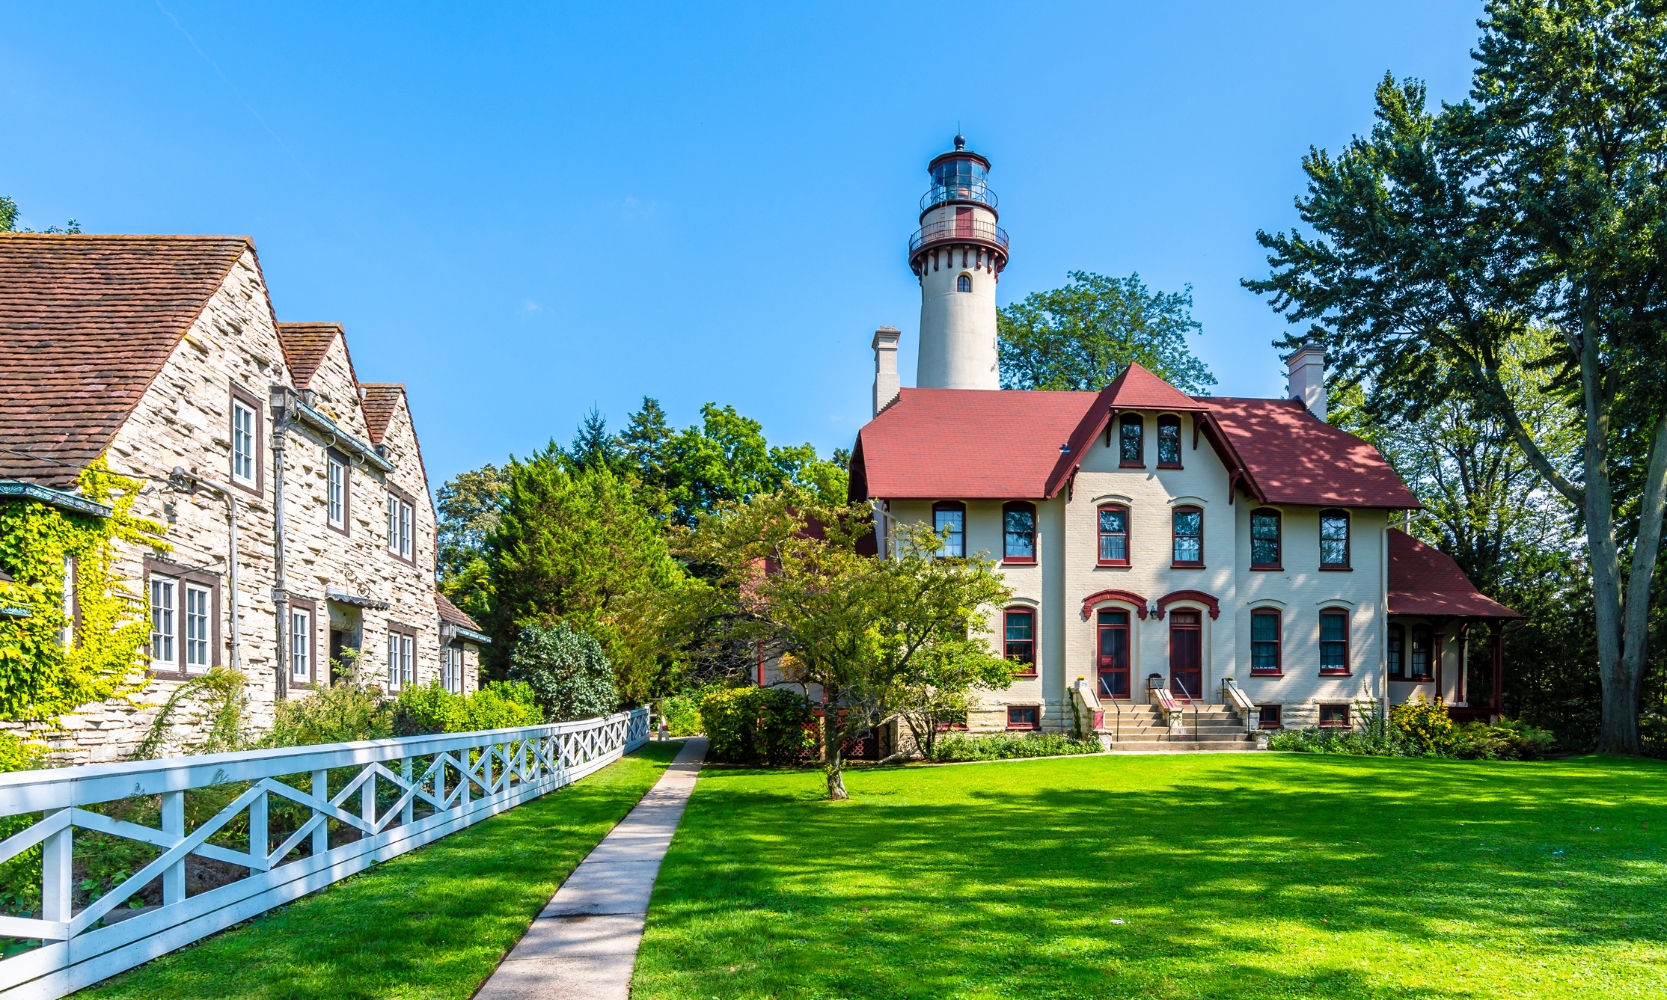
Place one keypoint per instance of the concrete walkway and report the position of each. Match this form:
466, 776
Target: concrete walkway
583, 945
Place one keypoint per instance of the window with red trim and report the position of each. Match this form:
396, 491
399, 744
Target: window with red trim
1397, 651
1423, 654
1334, 642
1131, 440
1264, 642
1189, 536
1114, 535
1334, 716
1169, 441
1334, 539
1018, 533
1022, 717
1268, 717
1264, 539
1019, 639
951, 721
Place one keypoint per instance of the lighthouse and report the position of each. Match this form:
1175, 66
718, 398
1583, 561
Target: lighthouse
957, 254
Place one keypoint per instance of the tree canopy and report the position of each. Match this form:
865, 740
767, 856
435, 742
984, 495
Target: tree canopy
1082, 336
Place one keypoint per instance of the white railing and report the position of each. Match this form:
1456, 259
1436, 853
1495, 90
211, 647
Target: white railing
432, 785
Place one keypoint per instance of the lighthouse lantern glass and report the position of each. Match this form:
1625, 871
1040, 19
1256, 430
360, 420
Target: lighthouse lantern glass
960, 179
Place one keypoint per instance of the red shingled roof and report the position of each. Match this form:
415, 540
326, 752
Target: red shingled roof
1423, 580
380, 401
305, 345
86, 322
453, 614
978, 444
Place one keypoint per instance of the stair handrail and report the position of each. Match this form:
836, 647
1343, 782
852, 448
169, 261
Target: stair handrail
1232, 694
1165, 701
1091, 700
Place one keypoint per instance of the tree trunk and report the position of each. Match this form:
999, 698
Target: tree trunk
1623, 736
832, 744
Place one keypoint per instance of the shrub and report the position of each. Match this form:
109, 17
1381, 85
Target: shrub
1425, 727
682, 713
569, 674
420, 711
20, 878
1420, 728
753, 725
1009, 746
338, 714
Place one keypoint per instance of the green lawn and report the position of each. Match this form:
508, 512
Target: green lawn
1253, 875
429, 924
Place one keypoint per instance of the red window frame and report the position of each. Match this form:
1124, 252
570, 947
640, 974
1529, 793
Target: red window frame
1101, 534
1278, 643
1269, 717
1348, 539
1397, 653
1017, 507
1339, 716
1278, 539
1011, 649
1432, 648
1344, 670
1137, 421
1174, 538
1169, 421
1024, 717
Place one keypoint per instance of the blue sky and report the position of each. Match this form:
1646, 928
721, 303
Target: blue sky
522, 211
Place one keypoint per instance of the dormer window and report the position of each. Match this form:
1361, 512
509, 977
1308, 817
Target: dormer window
1169, 442
1131, 441
963, 283
336, 489
949, 520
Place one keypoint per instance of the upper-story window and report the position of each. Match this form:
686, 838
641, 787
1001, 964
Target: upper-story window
1018, 532
244, 430
1169, 442
1334, 539
1264, 539
1114, 535
336, 489
1334, 642
399, 526
1189, 536
1131, 441
963, 283
163, 628
949, 520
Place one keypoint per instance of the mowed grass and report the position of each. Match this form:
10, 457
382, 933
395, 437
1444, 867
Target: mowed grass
1242, 876
430, 924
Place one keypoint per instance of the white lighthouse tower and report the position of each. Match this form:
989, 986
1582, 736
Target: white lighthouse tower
958, 254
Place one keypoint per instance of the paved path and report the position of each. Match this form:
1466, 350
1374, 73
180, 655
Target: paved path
584, 943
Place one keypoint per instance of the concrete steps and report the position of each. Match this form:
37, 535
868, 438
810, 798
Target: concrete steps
1143, 729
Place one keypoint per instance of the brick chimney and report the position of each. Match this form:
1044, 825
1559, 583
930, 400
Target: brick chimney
1306, 374
886, 385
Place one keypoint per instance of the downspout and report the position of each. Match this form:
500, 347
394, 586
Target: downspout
187, 482
281, 414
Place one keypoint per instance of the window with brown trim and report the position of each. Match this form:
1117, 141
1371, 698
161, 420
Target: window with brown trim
402, 660
1334, 716
1334, 539
1169, 441
949, 520
1019, 640
1334, 642
1265, 539
1131, 441
1268, 717
336, 490
1189, 537
401, 524
1114, 535
1018, 532
246, 461
1023, 717
1423, 654
185, 618
1398, 651
1264, 642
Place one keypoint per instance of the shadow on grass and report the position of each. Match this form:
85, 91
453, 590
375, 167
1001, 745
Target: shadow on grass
1268, 876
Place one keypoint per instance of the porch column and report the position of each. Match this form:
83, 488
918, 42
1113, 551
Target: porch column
1498, 669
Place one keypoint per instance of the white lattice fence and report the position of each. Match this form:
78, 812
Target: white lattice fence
426, 787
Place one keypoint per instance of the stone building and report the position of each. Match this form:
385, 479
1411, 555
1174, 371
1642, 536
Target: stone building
1227, 564
296, 502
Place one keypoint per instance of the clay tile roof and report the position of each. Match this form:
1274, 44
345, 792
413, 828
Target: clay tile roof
1295, 458
1423, 580
380, 402
86, 322
452, 614
1139, 389
304, 347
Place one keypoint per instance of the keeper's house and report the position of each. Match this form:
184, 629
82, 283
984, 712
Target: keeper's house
1173, 558
294, 495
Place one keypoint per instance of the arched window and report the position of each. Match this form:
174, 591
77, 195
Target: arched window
963, 283
1264, 539
1114, 535
1169, 441
1018, 533
1264, 641
1334, 641
1019, 640
1334, 539
1130, 438
949, 520
1189, 537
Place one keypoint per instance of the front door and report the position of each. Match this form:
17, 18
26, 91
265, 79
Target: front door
1114, 654
1186, 659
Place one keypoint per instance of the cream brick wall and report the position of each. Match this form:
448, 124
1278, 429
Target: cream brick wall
184, 419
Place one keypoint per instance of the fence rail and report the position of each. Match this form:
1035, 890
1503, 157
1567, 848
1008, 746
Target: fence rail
389, 796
